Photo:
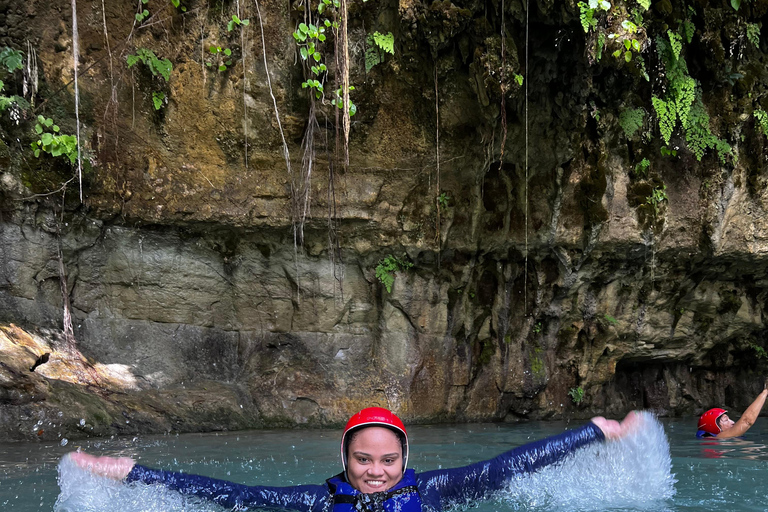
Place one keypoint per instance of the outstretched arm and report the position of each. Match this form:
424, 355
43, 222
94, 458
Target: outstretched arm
747, 419
302, 498
477, 481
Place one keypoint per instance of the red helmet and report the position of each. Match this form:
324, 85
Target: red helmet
708, 421
374, 417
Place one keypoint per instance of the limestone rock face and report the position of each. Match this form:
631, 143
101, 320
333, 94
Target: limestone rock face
215, 284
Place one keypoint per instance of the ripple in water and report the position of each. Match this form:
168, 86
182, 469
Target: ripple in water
631, 474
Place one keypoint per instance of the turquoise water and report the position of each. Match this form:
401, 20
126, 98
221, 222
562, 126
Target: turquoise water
635, 474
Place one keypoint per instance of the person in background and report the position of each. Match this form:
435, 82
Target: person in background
716, 423
375, 477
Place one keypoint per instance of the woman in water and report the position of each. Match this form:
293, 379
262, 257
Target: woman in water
374, 455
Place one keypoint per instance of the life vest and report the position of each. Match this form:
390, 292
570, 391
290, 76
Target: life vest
403, 497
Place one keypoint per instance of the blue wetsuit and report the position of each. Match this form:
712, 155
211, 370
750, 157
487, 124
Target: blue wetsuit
433, 490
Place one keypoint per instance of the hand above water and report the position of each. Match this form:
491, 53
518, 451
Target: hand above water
613, 429
110, 467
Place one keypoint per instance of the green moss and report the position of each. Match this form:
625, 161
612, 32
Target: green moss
730, 302
537, 362
486, 352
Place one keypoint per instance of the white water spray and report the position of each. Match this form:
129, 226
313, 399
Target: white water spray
631, 474
83, 492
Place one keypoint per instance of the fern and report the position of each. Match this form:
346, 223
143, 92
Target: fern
762, 119
385, 41
631, 120
377, 45
385, 270
688, 30
684, 94
600, 45
698, 135
753, 34
667, 117
676, 42
587, 17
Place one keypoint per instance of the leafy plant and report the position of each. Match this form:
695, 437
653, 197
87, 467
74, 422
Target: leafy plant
52, 142
642, 166
576, 394
537, 328
586, 17
658, 196
762, 119
378, 45
158, 98
759, 351
385, 270
11, 59
611, 320
666, 151
631, 120
753, 34
179, 4
158, 67
442, 200
519, 79
142, 13
236, 22
223, 58
338, 101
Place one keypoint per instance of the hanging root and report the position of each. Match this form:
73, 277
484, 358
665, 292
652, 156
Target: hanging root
245, 105
297, 230
437, 163
75, 59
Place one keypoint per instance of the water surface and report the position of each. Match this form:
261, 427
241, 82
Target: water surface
637, 474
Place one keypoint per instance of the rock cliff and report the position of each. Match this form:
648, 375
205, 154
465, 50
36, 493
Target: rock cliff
561, 245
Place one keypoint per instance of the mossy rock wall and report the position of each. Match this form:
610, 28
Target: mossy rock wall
556, 259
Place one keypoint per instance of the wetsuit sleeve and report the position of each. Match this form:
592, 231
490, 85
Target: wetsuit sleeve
301, 498
477, 481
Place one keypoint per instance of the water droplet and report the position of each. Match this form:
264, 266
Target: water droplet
64, 442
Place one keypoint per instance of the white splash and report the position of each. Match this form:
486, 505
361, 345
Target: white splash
633, 473
81, 491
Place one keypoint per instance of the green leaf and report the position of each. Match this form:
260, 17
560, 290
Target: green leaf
385, 41
46, 139
736, 4
317, 56
246, 22
157, 99
227, 52
222, 68
303, 52
628, 56
38, 129
303, 27
49, 122
56, 128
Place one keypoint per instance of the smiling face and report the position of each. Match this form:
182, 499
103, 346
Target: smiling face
374, 460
